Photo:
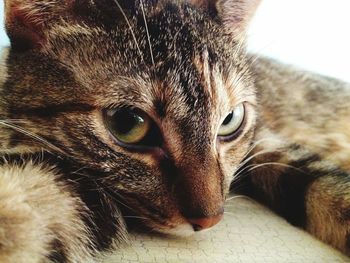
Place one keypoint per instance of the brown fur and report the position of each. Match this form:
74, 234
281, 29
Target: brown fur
35, 211
184, 64
328, 201
310, 134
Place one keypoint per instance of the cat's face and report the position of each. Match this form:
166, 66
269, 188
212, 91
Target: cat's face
162, 114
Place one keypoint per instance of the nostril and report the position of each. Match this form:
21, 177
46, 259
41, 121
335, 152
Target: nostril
197, 227
199, 224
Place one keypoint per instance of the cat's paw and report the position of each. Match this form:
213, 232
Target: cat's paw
328, 210
40, 220
21, 234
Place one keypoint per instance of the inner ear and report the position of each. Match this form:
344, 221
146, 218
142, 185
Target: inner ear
27, 20
24, 32
235, 15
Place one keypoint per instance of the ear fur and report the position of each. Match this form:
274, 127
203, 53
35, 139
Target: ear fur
27, 20
234, 14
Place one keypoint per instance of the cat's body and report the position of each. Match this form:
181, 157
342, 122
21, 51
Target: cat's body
302, 150
68, 181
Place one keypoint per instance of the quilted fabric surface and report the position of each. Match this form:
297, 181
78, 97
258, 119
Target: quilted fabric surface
248, 233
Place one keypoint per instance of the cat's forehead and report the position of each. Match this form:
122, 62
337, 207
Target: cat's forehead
151, 34
166, 56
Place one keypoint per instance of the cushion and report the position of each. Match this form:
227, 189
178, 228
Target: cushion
249, 232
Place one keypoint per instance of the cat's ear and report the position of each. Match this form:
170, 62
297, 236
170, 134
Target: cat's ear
234, 14
27, 21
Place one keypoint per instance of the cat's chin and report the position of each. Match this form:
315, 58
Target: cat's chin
184, 230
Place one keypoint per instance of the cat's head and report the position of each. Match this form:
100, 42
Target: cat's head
155, 97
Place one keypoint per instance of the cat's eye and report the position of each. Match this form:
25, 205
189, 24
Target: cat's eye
232, 123
128, 126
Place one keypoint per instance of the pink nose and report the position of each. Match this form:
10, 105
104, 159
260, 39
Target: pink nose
205, 222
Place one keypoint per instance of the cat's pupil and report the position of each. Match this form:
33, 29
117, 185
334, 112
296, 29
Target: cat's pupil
125, 121
228, 119
130, 126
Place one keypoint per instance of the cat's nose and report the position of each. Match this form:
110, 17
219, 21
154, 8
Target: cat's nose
199, 224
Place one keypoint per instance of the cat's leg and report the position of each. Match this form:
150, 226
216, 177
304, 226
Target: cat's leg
308, 191
40, 219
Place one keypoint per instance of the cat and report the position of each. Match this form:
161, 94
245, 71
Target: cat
153, 110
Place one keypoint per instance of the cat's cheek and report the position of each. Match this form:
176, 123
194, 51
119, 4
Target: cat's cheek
229, 170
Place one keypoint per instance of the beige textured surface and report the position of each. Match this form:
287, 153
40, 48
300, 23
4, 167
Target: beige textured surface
248, 233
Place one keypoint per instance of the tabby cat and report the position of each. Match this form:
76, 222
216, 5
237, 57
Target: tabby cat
118, 109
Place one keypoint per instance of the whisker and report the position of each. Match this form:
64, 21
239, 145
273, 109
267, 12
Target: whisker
234, 197
80, 169
239, 178
33, 136
277, 164
113, 196
240, 197
252, 167
229, 213
147, 31
262, 152
256, 143
239, 170
130, 28
15, 120
242, 168
244, 171
136, 217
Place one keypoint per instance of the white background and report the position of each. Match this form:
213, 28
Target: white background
313, 34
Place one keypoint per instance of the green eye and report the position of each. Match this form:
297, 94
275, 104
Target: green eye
232, 122
128, 126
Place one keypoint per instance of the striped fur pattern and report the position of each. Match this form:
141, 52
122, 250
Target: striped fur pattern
301, 168
68, 192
